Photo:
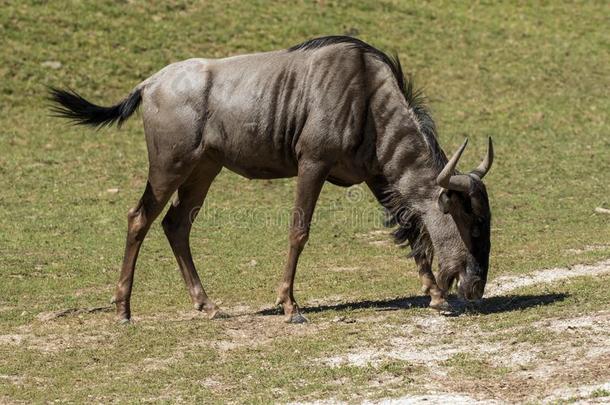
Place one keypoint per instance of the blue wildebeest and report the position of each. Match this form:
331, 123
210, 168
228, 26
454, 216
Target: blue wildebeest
330, 109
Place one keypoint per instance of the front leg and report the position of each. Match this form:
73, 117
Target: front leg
438, 299
381, 190
311, 177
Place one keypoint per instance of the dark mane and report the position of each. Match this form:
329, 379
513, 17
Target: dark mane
414, 97
410, 230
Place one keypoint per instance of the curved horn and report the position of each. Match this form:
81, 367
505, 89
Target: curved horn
448, 180
485, 165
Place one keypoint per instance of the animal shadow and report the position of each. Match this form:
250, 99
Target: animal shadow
491, 305
508, 303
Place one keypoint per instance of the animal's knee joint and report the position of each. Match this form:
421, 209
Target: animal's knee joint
136, 222
133, 213
299, 237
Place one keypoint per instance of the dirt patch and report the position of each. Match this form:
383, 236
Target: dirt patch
417, 343
504, 284
589, 248
590, 392
434, 399
238, 331
66, 341
55, 337
154, 364
12, 339
19, 380
254, 331
238, 311
54, 342
409, 342
427, 399
576, 350
598, 323
215, 385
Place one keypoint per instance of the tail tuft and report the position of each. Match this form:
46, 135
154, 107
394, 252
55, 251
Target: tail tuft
69, 104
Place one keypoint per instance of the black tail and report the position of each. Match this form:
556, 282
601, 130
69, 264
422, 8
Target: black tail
69, 104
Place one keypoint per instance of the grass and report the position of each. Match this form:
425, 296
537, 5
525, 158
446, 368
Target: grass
600, 393
466, 365
532, 76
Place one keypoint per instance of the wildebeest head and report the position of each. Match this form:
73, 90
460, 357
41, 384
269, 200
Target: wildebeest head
463, 198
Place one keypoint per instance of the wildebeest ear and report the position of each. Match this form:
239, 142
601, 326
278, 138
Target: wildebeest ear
444, 201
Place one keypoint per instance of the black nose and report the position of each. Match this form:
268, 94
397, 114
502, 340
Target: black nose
472, 289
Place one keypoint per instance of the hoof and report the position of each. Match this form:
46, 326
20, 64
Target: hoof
296, 318
124, 321
442, 306
212, 311
218, 314
449, 313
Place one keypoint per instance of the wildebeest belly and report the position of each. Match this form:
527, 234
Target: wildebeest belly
258, 171
258, 154
246, 150
340, 175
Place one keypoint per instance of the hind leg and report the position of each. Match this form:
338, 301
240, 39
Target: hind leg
139, 220
173, 130
177, 225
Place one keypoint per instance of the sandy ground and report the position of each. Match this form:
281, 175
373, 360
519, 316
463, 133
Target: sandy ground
504, 284
539, 372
